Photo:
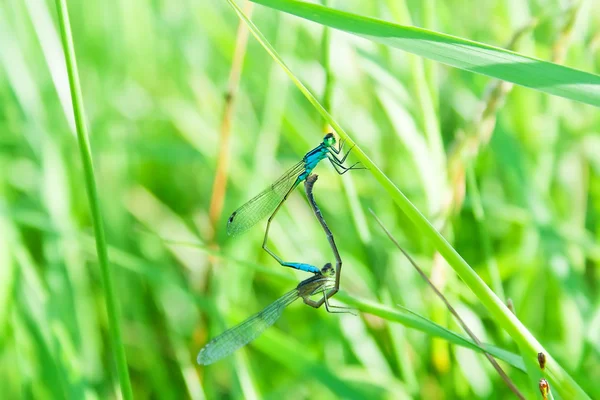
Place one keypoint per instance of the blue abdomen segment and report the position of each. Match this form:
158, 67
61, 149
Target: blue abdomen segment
303, 267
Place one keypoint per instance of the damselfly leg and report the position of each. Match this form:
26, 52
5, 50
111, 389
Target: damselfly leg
300, 266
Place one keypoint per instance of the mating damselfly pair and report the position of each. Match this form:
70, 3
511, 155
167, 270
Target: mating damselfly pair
325, 281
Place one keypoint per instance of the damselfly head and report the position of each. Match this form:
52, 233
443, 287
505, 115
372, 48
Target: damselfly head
328, 270
329, 140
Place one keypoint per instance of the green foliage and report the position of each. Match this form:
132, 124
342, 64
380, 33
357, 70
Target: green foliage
153, 78
108, 286
461, 53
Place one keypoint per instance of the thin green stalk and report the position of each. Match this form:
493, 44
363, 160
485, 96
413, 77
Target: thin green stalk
452, 310
217, 199
558, 377
325, 40
112, 306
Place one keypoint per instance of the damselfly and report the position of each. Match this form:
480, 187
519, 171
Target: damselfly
242, 334
270, 200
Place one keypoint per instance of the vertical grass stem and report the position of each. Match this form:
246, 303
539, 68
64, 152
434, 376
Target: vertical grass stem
112, 306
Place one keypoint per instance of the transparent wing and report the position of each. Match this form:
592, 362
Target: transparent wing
242, 334
263, 204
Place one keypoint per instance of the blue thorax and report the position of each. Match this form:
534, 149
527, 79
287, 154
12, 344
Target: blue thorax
311, 159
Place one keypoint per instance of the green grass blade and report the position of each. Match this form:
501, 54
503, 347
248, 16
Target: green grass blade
284, 349
560, 380
413, 320
457, 52
112, 306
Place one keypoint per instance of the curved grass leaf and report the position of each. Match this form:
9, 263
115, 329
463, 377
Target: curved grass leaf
457, 52
413, 320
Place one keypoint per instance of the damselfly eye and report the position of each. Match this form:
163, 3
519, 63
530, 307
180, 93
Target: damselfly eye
329, 139
327, 270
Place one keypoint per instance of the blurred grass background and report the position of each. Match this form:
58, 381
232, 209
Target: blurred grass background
154, 76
